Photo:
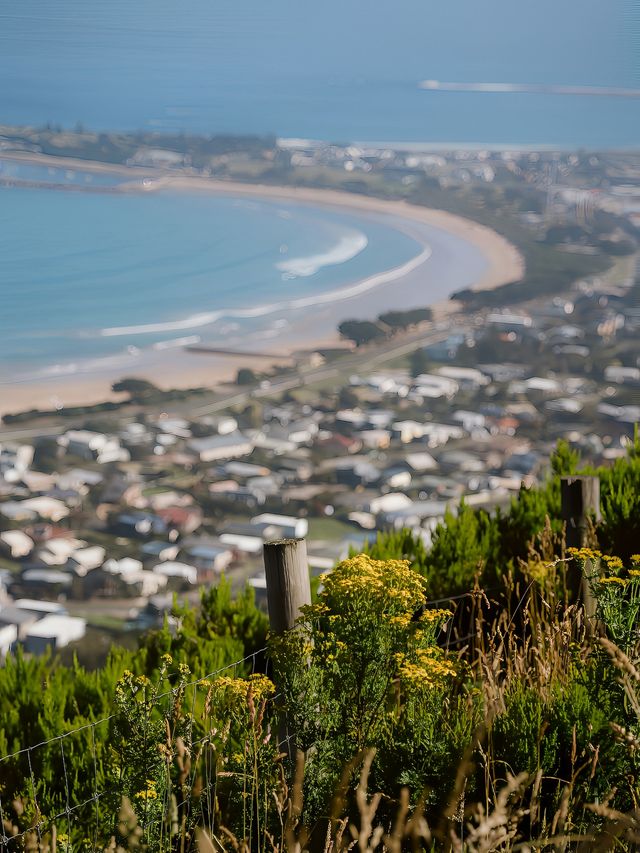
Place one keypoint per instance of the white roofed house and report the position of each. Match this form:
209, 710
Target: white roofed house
93, 446
157, 550
622, 375
128, 576
220, 447
468, 378
182, 573
16, 544
50, 509
470, 421
54, 631
15, 460
433, 386
290, 526
8, 636
210, 558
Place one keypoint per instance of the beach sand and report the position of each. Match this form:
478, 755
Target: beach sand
306, 328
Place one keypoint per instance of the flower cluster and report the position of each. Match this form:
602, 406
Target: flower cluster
236, 691
613, 579
389, 582
149, 793
430, 669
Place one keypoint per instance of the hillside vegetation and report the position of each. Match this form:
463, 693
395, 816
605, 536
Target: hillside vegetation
498, 718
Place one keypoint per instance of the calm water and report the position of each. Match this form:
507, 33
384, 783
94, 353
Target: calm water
86, 275
343, 71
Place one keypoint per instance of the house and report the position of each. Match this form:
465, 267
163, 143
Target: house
15, 460
142, 525
167, 498
242, 543
15, 511
244, 470
20, 619
123, 566
290, 527
222, 424
391, 502
417, 513
53, 632
56, 552
84, 560
40, 608
45, 582
468, 378
185, 519
408, 431
538, 384
375, 439
94, 446
177, 427
432, 386
395, 477
217, 447
356, 472
50, 509
469, 420
209, 557
143, 583
420, 462
622, 375
8, 637
503, 372
158, 550
16, 544
335, 442
177, 571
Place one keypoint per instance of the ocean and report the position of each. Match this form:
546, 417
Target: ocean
331, 70
90, 277
86, 276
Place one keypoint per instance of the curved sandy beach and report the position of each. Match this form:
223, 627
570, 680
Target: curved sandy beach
309, 326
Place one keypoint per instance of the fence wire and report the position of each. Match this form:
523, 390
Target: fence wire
84, 814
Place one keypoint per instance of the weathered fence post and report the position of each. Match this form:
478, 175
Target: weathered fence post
580, 503
288, 589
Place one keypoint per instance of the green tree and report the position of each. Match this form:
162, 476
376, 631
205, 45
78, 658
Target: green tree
361, 331
418, 362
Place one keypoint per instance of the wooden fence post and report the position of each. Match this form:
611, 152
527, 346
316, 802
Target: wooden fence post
288, 589
580, 503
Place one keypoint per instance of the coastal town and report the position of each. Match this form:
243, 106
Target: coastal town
105, 518
110, 511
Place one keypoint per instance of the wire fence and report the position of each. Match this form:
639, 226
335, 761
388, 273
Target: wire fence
89, 800
71, 772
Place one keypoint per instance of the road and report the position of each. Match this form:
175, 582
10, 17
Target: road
365, 357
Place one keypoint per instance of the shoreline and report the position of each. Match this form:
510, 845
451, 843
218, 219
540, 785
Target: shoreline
313, 325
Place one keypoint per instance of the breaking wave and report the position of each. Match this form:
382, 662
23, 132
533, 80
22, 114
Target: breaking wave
344, 250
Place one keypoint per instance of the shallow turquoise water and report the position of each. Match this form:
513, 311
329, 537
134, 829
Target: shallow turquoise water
87, 274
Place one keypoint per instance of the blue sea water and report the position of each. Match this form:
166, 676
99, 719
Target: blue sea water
332, 70
85, 275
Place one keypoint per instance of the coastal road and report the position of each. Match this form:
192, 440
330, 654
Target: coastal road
363, 358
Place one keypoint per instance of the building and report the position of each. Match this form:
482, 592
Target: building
214, 448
